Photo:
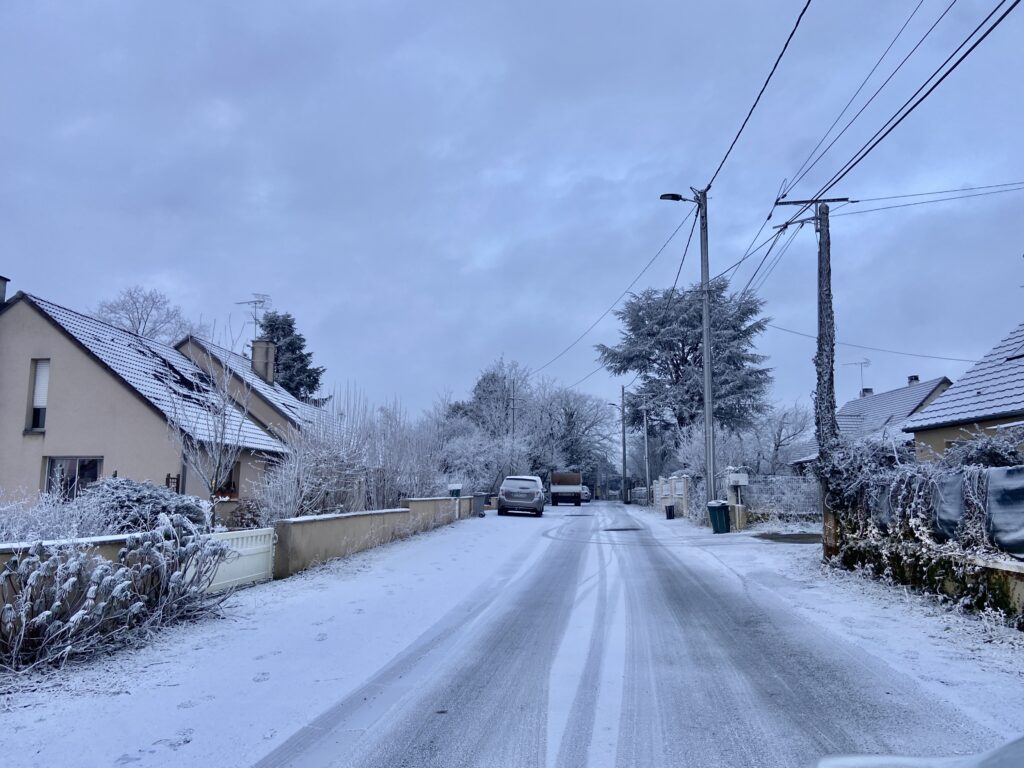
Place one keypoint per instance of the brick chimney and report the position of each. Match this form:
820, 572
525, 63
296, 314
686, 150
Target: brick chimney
263, 355
913, 379
867, 391
3, 288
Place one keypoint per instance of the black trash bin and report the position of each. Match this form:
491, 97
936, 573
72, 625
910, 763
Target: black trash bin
670, 511
718, 511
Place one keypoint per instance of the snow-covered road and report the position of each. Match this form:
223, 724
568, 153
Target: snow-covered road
595, 636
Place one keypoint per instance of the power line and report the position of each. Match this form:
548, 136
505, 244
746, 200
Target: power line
926, 202
857, 93
800, 174
938, 192
573, 386
760, 93
874, 349
743, 258
777, 259
895, 121
685, 251
900, 115
764, 258
671, 295
604, 314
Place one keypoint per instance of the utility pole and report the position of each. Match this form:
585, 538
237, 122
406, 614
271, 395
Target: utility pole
512, 448
825, 358
826, 428
705, 285
700, 197
622, 491
647, 459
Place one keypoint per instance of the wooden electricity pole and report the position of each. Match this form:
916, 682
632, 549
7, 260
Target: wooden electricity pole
826, 428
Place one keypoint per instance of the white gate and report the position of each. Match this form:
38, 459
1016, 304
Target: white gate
253, 563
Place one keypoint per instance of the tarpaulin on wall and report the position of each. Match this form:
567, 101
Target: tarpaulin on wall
949, 504
881, 510
1005, 508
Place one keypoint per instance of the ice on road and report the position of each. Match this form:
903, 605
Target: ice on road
594, 636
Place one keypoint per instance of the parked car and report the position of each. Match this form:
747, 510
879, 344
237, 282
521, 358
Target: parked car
522, 493
586, 494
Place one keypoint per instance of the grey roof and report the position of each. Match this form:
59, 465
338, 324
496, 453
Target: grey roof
878, 416
992, 389
295, 410
160, 374
886, 412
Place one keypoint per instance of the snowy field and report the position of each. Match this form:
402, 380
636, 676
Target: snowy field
231, 691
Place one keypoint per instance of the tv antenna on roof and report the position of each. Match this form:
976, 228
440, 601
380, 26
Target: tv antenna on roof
259, 302
865, 363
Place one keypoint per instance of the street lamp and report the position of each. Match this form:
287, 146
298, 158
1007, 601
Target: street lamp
701, 199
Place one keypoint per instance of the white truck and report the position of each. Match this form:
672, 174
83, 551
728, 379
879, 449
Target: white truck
566, 487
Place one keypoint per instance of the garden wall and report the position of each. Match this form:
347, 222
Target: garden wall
958, 533
306, 541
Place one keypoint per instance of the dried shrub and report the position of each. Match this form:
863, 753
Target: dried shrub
61, 601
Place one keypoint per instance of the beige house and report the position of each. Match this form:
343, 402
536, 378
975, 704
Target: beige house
80, 400
989, 397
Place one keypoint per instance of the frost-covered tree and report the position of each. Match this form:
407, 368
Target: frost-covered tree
207, 425
661, 340
148, 313
293, 364
777, 433
514, 424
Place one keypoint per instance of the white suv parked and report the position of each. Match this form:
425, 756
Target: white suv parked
524, 493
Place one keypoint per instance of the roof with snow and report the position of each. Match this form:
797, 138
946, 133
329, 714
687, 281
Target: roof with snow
880, 415
166, 379
279, 398
992, 389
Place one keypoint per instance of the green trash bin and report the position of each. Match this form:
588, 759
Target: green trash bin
718, 511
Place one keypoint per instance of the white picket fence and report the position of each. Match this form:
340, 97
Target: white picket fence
253, 563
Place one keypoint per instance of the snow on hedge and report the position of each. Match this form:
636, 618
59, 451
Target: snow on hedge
59, 601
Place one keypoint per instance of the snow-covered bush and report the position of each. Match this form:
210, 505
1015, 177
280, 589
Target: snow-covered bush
46, 516
127, 505
1002, 449
887, 509
59, 602
108, 507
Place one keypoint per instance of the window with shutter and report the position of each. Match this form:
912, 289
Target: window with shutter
40, 392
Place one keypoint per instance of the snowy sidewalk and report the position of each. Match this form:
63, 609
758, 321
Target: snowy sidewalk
225, 692
968, 661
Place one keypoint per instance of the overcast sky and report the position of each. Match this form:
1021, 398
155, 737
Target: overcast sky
427, 186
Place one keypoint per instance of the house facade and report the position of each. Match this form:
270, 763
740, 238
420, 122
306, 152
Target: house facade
989, 397
81, 400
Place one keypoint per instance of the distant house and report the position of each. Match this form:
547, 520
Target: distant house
81, 399
988, 397
881, 416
